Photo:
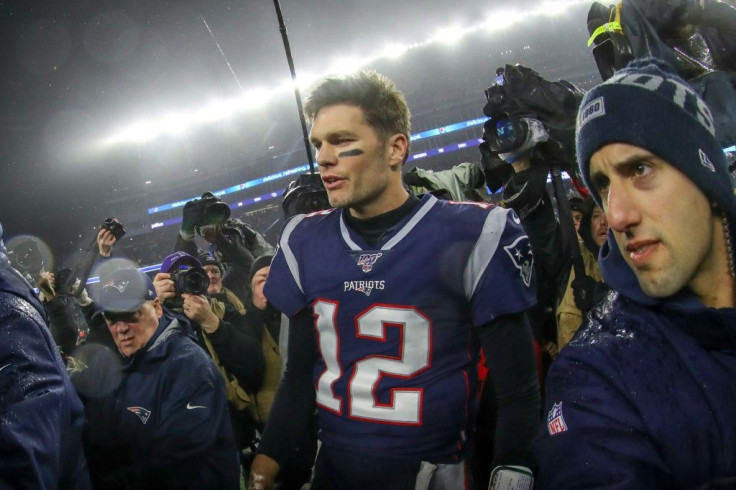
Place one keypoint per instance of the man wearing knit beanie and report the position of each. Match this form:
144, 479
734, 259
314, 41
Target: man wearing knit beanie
645, 394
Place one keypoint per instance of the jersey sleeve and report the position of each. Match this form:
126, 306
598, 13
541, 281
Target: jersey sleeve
499, 275
283, 288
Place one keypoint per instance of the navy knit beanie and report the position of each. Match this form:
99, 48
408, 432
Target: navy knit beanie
648, 106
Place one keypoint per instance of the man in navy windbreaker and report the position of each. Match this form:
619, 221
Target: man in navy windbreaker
41, 416
156, 414
645, 394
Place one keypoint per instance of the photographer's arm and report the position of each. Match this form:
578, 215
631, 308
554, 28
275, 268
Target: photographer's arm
238, 347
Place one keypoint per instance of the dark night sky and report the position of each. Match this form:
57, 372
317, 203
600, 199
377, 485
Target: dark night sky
74, 72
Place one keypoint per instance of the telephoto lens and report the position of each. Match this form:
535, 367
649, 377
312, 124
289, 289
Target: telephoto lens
216, 212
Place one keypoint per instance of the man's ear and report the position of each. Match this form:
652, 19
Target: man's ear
398, 146
157, 306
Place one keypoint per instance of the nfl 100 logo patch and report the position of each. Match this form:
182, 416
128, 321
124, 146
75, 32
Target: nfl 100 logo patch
366, 261
555, 420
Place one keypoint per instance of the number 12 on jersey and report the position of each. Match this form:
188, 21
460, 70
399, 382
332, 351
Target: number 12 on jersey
413, 357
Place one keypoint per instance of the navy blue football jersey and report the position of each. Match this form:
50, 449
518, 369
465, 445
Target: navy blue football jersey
393, 322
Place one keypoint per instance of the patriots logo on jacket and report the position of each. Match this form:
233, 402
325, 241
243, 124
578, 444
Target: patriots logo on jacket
521, 255
367, 261
142, 413
555, 421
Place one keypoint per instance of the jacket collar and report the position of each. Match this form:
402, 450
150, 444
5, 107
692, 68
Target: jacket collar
157, 346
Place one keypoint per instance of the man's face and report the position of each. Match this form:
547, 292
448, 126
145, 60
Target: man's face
131, 331
355, 164
598, 226
576, 217
663, 224
213, 272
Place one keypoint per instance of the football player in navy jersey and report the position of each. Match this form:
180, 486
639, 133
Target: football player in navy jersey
389, 297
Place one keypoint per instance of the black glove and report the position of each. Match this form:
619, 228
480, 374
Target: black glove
497, 171
192, 216
412, 178
588, 292
524, 190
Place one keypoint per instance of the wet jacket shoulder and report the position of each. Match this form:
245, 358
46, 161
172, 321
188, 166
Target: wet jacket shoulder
41, 416
159, 419
643, 397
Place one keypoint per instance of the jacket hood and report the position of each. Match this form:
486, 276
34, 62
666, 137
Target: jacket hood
619, 276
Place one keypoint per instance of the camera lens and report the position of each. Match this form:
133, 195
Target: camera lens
505, 131
216, 212
191, 281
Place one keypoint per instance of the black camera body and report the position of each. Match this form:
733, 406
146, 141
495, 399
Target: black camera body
191, 281
520, 93
214, 211
305, 195
115, 227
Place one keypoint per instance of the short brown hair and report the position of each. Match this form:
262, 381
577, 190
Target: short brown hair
383, 105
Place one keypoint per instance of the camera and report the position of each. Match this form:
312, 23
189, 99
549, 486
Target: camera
215, 211
304, 195
505, 134
523, 105
26, 256
191, 281
115, 227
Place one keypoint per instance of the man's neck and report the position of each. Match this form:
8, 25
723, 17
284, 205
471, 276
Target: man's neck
718, 288
391, 199
372, 229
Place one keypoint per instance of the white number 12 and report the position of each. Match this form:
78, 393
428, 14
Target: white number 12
413, 357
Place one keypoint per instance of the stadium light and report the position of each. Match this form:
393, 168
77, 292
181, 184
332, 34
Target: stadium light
145, 131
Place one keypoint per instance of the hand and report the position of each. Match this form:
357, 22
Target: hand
525, 190
46, 283
412, 178
84, 299
551, 349
105, 241
263, 472
193, 215
583, 290
165, 288
496, 171
198, 309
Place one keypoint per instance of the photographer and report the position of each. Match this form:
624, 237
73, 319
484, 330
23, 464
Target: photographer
65, 300
584, 293
218, 321
233, 243
530, 135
